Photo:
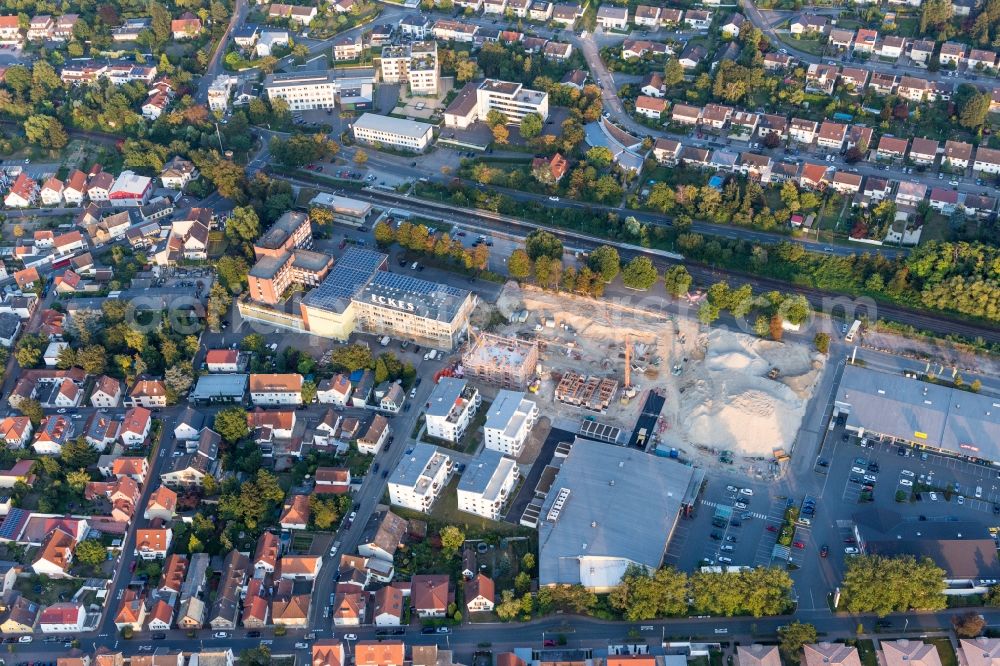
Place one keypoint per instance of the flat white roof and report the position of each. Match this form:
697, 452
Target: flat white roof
409, 128
131, 183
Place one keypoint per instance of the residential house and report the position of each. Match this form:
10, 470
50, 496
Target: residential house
185, 27
480, 596
808, 24
803, 131
383, 535
135, 426
891, 47
23, 193
666, 151
177, 173
846, 183
429, 595
349, 609
981, 59
892, 148
148, 393
276, 389
944, 200
910, 193
692, 55
921, 51
388, 610
957, 154
162, 504
913, 89
685, 114
107, 392
152, 543
716, 115
131, 611
647, 15
226, 607
161, 616
923, 151
332, 480
831, 135
841, 39
731, 28
952, 54
265, 558
650, 107
612, 17
15, 431
698, 19
56, 554
52, 192
987, 160
62, 618
295, 515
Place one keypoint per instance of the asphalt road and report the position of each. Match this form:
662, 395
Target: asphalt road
215, 64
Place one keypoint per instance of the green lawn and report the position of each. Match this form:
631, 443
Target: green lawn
866, 650
812, 46
47, 591
945, 650
906, 27
445, 512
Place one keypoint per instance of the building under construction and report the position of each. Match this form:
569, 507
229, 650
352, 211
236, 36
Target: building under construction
505, 362
593, 393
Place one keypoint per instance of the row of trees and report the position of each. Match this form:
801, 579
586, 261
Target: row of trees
418, 238
666, 592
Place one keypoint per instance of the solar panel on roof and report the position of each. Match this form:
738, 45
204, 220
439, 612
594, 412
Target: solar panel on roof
13, 523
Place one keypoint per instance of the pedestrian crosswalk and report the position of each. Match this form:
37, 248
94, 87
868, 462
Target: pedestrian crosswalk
712, 505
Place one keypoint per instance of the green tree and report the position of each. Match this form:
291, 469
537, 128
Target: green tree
360, 157
251, 501
90, 552
452, 539
531, 125
93, 359
677, 281
509, 607
757, 592
308, 392
231, 424
77, 480
45, 131
501, 135
822, 342
793, 636
541, 243
572, 598
644, 596
883, 585
243, 226
600, 157
605, 262
349, 358
673, 73
640, 273
519, 264
974, 111
78, 453
233, 271
258, 656
32, 409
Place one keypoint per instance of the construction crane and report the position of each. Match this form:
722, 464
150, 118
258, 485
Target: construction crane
628, 391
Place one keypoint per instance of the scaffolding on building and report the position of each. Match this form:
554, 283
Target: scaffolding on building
509, 363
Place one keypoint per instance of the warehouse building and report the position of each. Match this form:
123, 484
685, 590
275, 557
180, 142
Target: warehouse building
220, 388
410, 135
344, 209
585, 536
879, 404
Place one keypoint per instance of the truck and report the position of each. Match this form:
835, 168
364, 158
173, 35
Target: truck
855, 327
431, 355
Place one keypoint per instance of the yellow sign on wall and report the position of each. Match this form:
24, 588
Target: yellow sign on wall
920, 435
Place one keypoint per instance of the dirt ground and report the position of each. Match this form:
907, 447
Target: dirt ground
718, 392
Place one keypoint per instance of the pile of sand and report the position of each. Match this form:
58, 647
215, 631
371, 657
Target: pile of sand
727, 401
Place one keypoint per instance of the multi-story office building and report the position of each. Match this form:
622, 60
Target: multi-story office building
306, 90
451, 406
419, 478
282, 261
407, 134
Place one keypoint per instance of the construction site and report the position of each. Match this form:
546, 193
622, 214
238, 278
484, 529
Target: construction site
591, 362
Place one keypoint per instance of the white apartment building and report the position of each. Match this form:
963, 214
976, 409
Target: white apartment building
508, 422
487, 484
475, 101
414, 64
451, 406
220, 91
419, 478
308, 90
411, 135
511, 99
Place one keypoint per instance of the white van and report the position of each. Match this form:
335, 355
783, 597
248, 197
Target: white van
979, 491
385, 341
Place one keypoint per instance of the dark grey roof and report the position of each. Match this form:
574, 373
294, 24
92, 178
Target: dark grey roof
426, 299
355, 268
